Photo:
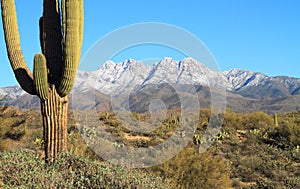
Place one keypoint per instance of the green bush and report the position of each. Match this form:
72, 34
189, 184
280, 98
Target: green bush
287, 135
292, 182
268, 184
24, 169
190, 169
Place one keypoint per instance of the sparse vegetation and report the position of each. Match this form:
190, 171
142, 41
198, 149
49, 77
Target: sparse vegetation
250, 151
24, 169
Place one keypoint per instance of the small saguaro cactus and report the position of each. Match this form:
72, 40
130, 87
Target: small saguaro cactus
54, 72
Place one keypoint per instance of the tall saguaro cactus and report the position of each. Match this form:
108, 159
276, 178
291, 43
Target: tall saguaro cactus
54, 71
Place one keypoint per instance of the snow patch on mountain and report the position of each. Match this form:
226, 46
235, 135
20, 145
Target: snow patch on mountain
238, 79
11, 92
112, 78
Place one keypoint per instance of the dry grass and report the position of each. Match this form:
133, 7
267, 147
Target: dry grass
130, 137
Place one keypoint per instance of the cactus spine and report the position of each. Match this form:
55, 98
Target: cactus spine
54, 69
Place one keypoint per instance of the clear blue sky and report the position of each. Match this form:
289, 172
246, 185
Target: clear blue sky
257, 35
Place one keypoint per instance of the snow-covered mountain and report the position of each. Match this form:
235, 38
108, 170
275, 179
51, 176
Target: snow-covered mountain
12, 92
112, 78
130, 76
238, 78
186, 71
253, 85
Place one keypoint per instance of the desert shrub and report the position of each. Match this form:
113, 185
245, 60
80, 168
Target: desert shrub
2, 145
256, 161
266, 183
7, 112
232, 120
292, 182
76, 144
279, 136
14, 134
257, 120
289, 183
24, 169
287, 135
190, 169
294, 134
295, 153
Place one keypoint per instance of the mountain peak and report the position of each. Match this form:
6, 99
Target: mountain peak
233, 71
167, 61
238, 71
188, 59
108, 65
127, 62
239, 78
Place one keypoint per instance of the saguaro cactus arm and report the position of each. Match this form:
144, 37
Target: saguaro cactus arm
14, 51
40, 74
72, 17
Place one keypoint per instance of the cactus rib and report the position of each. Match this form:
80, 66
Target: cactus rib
72, 23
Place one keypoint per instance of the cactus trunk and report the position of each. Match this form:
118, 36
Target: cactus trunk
55, 122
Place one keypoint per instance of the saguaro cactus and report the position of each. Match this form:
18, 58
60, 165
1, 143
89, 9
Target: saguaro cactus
54, 72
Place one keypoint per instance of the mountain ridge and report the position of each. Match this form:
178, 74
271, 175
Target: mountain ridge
131, 76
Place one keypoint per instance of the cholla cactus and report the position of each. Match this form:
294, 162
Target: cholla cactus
54, 72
